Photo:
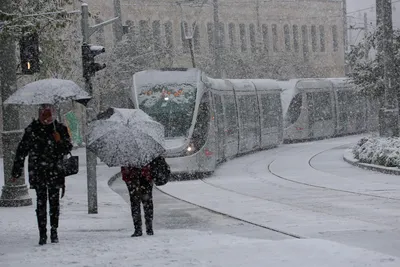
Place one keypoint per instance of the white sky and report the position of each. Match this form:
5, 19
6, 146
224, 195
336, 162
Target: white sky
357, 17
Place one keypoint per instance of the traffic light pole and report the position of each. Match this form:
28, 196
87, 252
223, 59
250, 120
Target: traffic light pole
91, 159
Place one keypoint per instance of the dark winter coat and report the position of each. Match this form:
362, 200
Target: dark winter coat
44, 153
151, 172
129, 174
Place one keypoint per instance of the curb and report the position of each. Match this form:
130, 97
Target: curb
349, 158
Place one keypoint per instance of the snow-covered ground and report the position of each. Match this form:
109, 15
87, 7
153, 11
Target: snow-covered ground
104, 239
308, 190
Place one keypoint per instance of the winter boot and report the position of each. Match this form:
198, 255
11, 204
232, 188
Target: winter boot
43, 236
53, 235
149, 228
138, 231
42, 223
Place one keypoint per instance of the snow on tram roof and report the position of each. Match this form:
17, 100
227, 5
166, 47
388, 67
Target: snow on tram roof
168, 76
341, 82
241, 84
313, 83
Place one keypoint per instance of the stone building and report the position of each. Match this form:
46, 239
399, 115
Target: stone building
293, 37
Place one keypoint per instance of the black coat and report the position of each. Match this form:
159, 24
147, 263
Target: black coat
44, 153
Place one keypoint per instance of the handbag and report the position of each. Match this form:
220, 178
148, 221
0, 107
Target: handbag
69, 166
160, 171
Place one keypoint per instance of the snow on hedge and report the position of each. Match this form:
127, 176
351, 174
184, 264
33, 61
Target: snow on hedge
378, 151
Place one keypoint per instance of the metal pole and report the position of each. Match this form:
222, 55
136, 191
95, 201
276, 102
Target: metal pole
217, 41
91, 159
13, 194
366, 34
117, 27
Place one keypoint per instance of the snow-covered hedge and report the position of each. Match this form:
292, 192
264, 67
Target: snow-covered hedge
378, 151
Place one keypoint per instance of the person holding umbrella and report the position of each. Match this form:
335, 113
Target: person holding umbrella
132, 140
140, 186
46, 141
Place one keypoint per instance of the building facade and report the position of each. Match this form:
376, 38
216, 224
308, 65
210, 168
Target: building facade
301, 38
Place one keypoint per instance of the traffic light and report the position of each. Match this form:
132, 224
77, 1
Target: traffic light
29, 54
90, 67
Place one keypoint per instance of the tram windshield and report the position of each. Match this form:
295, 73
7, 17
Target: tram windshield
171, 104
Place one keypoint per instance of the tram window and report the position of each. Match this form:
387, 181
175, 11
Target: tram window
200, 131
230, 114
294, 110
219, 111
271, 110
247, 111
322, 106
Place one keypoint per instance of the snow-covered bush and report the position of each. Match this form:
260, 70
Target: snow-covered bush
379, 151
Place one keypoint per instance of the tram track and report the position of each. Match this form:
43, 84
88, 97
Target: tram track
325, 187
248, 168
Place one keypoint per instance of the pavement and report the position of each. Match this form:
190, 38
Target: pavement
185, 234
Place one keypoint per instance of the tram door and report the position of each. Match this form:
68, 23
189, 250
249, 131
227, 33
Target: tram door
321, 121
231, 126
249, 121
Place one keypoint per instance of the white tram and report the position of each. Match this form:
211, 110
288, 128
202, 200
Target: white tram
321, 108
210, 120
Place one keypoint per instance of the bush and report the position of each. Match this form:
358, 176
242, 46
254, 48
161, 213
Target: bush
378, 151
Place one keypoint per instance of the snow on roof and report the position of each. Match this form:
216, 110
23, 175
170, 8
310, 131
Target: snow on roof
314, 84
241, 85
341, 82
266, 84
149, 78
217, 84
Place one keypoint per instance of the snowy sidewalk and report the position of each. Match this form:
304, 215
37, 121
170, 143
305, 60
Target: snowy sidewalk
104, 239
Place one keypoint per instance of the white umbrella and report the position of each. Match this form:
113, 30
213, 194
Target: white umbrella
48, 91
126, 137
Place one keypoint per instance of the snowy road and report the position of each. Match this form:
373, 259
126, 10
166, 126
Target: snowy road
307, 190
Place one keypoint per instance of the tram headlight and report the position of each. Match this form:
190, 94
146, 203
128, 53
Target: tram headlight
190, 149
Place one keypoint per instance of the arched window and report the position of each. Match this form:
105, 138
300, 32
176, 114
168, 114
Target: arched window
265, 38
286, 32
169, 39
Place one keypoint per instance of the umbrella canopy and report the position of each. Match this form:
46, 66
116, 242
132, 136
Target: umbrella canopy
126, 137
48, 91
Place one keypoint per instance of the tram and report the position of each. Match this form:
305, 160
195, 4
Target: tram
208, 121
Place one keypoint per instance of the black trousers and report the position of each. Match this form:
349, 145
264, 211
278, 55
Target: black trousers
51, 193
141, 191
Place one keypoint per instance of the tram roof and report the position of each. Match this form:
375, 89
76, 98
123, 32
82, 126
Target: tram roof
341, 82
166, 76
242, 84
